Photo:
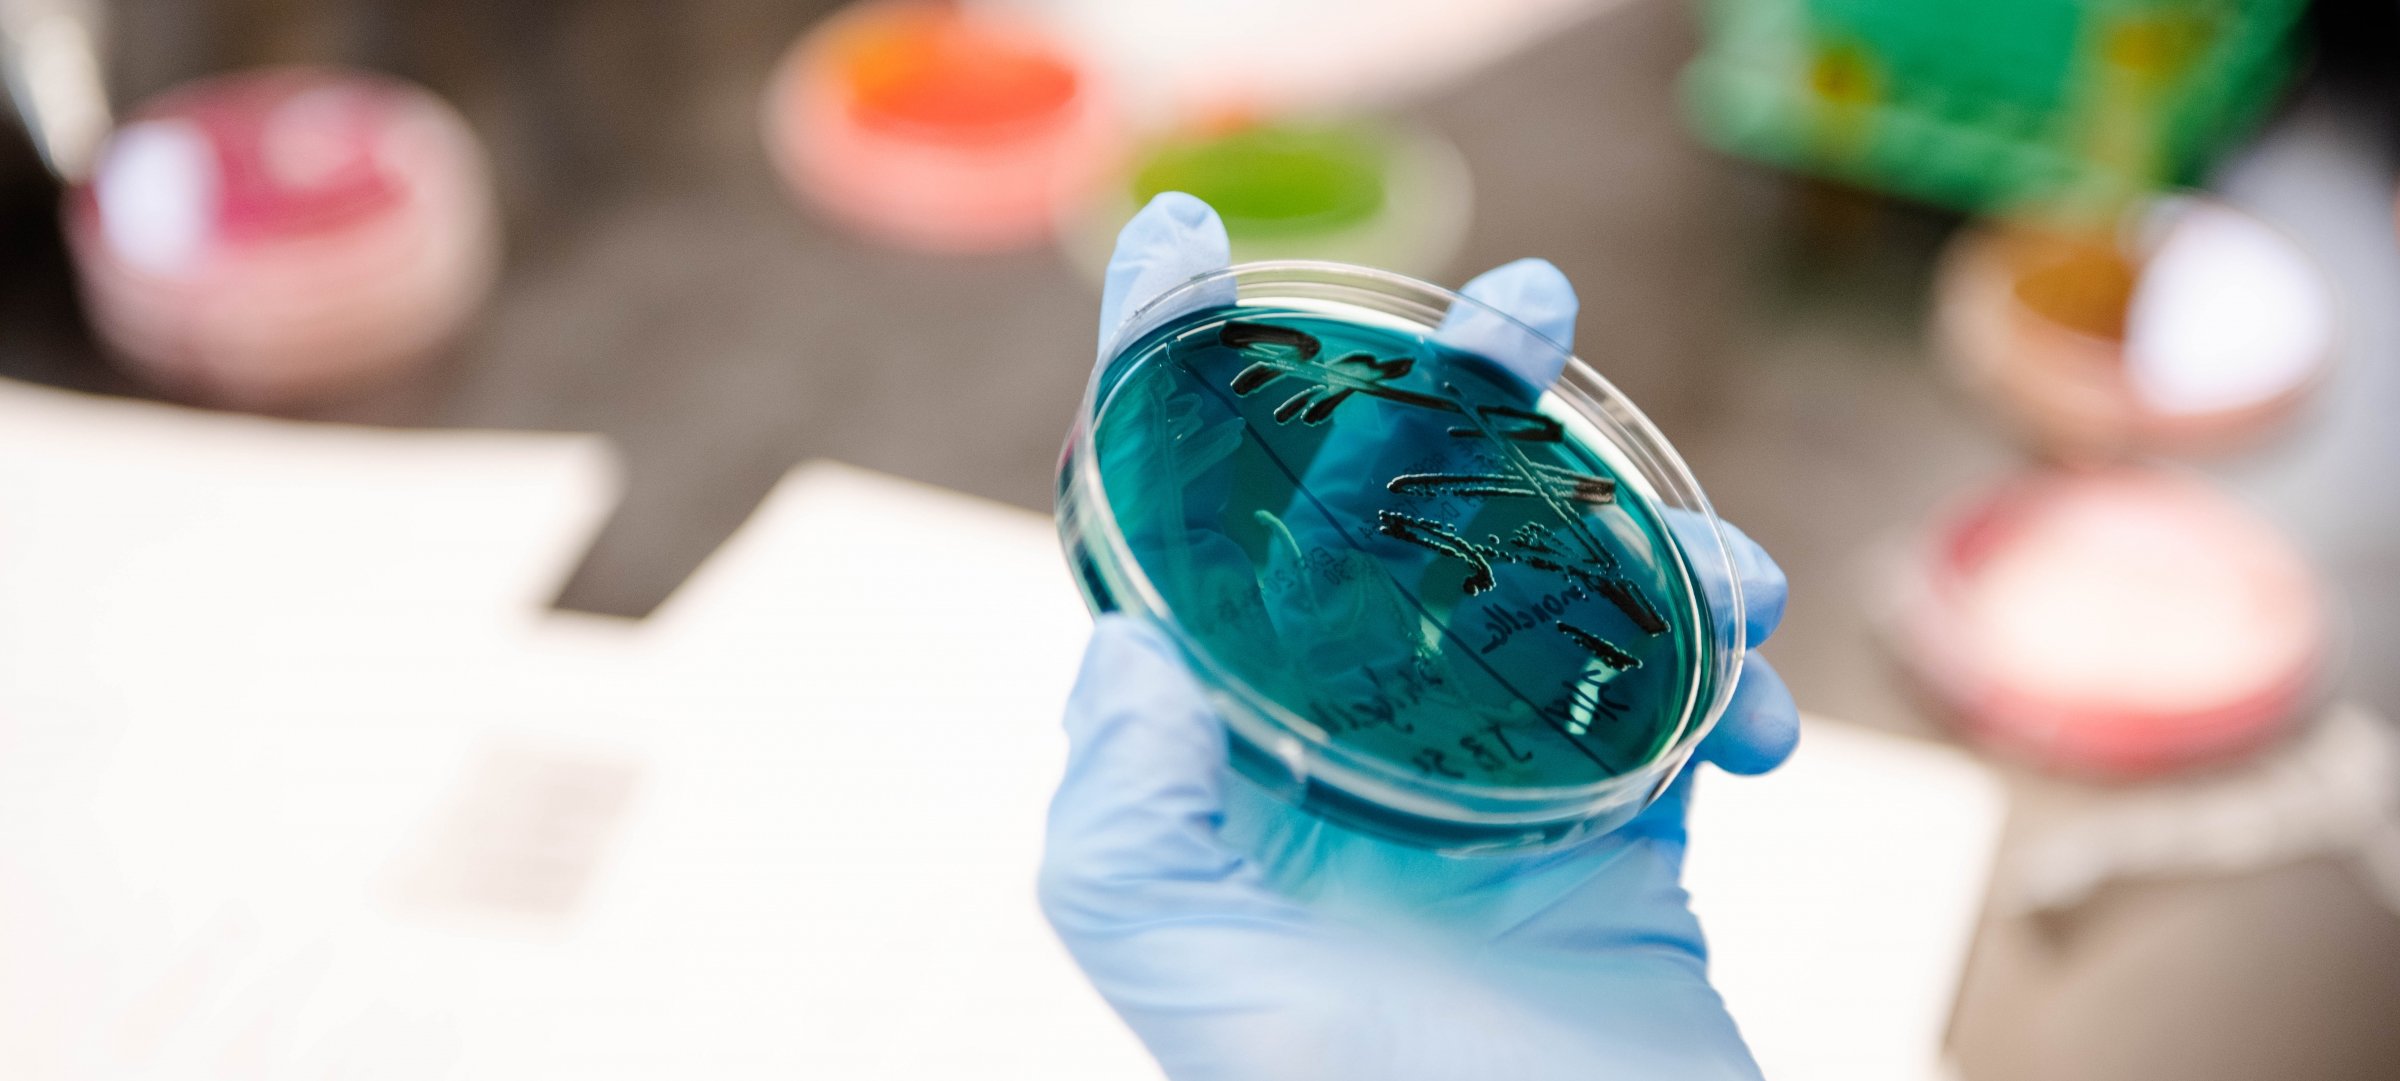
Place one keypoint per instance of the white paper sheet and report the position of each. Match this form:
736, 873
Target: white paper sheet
384, 866
230, 653
888, 662
144, 546
1839, 895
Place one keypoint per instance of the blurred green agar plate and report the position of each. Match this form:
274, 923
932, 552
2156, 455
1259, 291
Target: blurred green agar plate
1275, 181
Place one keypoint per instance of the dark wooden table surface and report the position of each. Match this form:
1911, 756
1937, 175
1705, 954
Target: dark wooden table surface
662, 290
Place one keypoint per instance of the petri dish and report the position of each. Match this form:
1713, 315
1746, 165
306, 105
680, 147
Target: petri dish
938, 128
2195, 328
284, 236
1431, 600
2120, 623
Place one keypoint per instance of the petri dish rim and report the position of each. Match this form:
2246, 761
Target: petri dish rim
1298, 745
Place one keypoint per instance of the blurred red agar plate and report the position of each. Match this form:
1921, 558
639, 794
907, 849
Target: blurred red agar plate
271, 237
932, 127
2121, 623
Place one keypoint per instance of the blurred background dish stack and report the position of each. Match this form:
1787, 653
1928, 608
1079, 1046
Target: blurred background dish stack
2093, 614
2191, 328
979, 127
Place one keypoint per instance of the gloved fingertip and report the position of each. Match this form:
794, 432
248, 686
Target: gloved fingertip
1533, 292
1173, 239
1523, 320
1762, 612
1761, 726
1764, 588
1764, 592
1181, 214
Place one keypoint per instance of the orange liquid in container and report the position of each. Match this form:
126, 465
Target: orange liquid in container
936, 74
932, 128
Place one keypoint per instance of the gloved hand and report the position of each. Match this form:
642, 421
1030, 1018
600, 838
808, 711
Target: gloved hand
1244, 940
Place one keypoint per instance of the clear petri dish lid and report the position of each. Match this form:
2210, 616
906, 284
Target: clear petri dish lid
1444, 583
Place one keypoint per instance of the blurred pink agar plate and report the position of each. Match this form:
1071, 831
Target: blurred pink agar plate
2116, 623
938, 128
274, 237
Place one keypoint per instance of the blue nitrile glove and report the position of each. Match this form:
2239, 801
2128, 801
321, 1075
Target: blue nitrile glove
1244, 940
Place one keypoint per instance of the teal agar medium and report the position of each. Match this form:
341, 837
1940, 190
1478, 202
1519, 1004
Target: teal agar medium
1440, 579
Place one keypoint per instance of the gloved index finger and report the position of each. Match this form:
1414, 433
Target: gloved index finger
1171, 241
1524, 320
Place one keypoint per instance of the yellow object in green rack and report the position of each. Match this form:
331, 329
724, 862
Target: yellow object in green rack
1990, 104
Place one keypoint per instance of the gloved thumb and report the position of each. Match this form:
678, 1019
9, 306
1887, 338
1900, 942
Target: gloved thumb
1134, 829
